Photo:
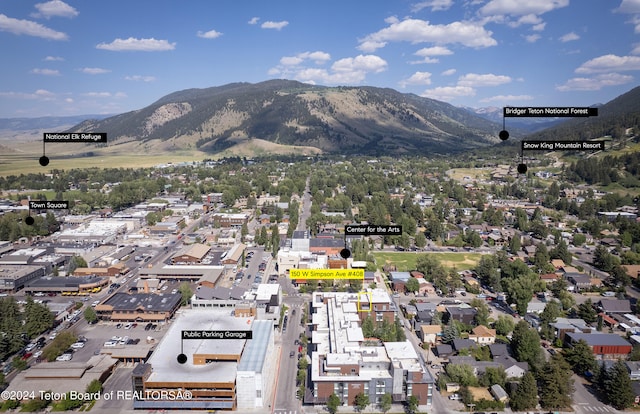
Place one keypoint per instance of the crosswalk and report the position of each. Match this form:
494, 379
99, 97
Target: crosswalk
280, 411
596, 409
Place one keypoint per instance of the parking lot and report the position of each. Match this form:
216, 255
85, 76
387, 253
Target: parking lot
96, 336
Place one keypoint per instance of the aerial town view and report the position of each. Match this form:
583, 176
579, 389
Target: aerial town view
288, 208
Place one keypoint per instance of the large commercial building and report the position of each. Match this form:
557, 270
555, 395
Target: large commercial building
95, 232
230, 219
16, 277
72, 286
192, 254
345, 363
218, 373
139, 307
199, 273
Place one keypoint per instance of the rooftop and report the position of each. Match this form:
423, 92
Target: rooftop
164, 360
148, 301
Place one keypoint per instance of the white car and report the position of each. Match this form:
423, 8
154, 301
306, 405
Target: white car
454, 397
77, 345
64, 357
109, 344
128, 325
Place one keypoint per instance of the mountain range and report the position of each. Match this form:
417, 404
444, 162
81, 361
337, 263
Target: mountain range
348, 120
277, 115
25, 124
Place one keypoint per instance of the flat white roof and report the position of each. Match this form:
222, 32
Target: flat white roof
266, 290
164, 360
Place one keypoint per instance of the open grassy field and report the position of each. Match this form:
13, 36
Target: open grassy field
25, 164
21, 157
406, 261
474, 174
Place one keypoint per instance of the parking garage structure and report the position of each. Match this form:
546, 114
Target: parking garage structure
217, 374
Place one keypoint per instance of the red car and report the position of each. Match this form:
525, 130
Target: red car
27, 356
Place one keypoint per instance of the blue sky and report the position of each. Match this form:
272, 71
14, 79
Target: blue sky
86, 57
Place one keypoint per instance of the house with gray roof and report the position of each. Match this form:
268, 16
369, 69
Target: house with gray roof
612, 306
460, 344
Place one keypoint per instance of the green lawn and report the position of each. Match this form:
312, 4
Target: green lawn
406, 261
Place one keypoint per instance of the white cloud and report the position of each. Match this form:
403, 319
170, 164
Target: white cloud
291, 60
427, 52
532, 38
434, 51
569, 37
46, 72
435, 5
318, 57
211, 34
40, 94
274, 25
371, 46
98, 94
470, 34
254, 20
29, 28
94, 71
365, 63
133, 44
636, 50
350, 70
448, 93
531, 19
53, 59
43, 93
538, 27
418, 78
507, 99
610, 63
140, 78
478, 80
521, 8
595, 83
54, 8
629, 6
448, 72
636, 21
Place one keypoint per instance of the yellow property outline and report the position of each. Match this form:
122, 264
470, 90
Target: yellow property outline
323, 274
370, 301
